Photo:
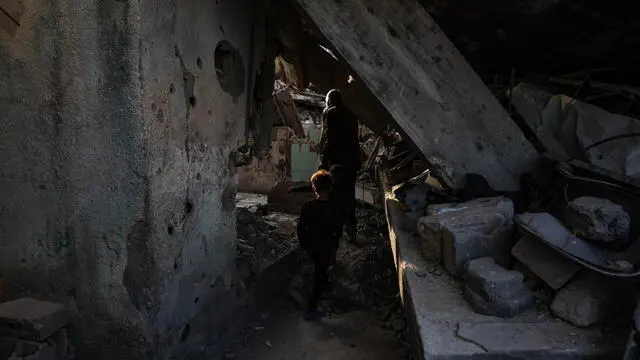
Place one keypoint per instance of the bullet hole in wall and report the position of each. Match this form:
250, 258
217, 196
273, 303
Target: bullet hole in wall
195, 301
198, 177
199, 63
188, 207
172, 89
192, 101
185, 333
170, 229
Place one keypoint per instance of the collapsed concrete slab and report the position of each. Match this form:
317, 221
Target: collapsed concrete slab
426, 85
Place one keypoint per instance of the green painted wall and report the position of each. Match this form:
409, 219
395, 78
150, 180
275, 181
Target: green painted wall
303, 160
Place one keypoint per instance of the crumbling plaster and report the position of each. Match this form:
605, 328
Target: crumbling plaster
117, 187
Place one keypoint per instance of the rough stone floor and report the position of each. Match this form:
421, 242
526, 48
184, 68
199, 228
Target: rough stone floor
365, 321
284, 335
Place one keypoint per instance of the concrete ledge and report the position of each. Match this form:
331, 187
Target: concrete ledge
444, 326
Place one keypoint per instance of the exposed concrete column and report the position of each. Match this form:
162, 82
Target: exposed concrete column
433, 94
117, 187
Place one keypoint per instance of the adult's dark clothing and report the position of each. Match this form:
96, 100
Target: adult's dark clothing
343, 196
339, 142
340, 145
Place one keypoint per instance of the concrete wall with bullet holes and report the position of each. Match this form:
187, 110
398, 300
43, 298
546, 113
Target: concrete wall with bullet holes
117, 185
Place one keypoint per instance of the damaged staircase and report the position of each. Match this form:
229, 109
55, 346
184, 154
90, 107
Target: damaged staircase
427, 86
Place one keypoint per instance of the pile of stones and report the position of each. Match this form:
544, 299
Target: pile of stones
506, 273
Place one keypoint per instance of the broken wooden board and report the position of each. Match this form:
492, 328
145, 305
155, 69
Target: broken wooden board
427, 86
286, 109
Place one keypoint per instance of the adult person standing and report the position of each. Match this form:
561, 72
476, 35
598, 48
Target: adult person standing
340, 145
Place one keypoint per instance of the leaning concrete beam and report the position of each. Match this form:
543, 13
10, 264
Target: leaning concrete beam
433, 94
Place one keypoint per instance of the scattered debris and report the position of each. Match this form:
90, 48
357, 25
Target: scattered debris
263, 238
597, 219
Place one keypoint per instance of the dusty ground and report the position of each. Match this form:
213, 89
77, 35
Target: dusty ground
285, 335
365, 321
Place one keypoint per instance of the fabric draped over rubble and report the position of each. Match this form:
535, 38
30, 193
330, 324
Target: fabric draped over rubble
567, 126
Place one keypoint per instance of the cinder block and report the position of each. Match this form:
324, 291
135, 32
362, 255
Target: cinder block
490, 236
466, 231
504, 309
31, 319
493, 282
547, 264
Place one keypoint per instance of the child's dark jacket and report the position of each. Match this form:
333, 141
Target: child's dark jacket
319, 227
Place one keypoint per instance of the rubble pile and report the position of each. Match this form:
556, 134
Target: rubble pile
507, 262
34, 329
263, 238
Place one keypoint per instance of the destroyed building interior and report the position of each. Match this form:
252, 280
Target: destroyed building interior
156, 154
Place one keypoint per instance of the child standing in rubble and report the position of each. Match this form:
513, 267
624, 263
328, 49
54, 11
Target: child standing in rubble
319, 229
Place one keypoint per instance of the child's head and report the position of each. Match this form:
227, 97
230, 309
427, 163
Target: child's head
337, 173
321, 182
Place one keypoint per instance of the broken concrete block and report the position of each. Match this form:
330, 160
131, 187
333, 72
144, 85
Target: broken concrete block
32, 319
17, 349
554, 269
462, 245
597, 219
504, 308
493, 282
462, 232
584, 301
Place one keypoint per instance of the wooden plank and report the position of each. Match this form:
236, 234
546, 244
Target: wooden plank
286, 109
426, 85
